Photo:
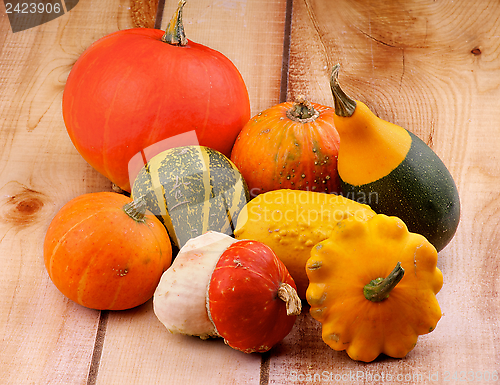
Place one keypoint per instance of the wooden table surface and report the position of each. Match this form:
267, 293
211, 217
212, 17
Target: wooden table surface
430, 66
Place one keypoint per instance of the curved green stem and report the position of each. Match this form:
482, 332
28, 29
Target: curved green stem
174, 34
379, 289
302, 111
344, 105
136, 210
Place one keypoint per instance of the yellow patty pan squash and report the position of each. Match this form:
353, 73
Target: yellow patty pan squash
291, 222
373, 287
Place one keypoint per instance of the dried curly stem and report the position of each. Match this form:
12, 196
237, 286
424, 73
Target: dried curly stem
288, 294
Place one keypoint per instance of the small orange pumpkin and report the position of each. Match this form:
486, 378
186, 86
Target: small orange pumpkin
252, 299
105, 251
289, 146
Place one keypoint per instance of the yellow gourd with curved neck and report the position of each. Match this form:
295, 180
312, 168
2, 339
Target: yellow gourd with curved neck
358, 163
383, 160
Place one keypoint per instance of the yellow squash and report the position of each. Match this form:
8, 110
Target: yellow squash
291, 222
373, 286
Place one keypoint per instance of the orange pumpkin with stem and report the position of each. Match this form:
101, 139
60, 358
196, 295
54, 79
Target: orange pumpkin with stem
289, 146
252, 299
138, 92
104, 251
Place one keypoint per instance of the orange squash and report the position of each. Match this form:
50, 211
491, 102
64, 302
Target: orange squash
251, 297
289, 146
138, 92
105, 251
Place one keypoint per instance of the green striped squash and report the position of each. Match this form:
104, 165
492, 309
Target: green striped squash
192, 189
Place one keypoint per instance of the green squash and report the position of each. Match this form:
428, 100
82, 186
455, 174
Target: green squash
395, 172
192, 189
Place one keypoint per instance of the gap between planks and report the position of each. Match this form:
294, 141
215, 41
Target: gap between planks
98, 346
103, 318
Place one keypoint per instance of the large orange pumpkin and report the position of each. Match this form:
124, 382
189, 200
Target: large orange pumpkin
133, 92
289, 146
103, 251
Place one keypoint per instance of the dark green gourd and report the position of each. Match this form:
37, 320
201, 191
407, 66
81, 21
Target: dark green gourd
392, 170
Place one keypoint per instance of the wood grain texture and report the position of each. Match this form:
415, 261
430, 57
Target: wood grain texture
138, 349
433, 68
40, 171
249, 33
45, 338
136, 341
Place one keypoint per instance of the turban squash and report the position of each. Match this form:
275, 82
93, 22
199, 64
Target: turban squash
222, 287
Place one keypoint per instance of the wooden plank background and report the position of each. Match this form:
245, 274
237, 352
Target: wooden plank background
430, 66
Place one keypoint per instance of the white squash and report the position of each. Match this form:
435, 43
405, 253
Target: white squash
179, 301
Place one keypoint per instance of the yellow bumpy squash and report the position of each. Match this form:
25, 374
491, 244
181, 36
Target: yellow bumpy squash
291, 222
373, 286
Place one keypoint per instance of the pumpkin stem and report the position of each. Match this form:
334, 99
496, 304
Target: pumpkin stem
379, 289
344, 105
174, 34
288, 294
136, 210
302, 111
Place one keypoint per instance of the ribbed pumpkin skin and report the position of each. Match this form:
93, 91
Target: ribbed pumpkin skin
192, 189
275, 152
129, 91
100, 258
